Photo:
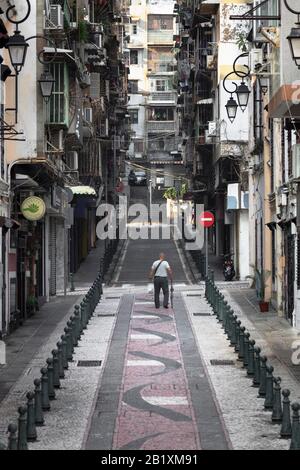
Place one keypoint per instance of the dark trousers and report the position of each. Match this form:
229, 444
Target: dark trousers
161, 283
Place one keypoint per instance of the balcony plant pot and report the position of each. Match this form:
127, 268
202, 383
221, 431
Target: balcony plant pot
263, 306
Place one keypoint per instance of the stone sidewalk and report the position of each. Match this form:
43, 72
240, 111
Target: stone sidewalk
24, 343
272, 332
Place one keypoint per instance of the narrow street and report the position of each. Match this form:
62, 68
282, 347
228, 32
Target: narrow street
167, 379
150, 148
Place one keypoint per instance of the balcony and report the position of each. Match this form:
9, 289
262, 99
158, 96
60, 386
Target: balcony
162, 66
161, 126
168, 97
160, 37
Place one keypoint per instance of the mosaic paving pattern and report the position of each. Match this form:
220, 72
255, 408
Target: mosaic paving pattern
155, 409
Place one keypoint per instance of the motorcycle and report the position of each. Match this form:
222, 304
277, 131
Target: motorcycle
228, 268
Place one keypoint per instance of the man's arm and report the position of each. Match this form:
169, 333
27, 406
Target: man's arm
170, 273
151, 274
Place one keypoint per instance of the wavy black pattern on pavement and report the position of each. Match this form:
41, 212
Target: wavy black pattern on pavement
162, 318
134, 399
170, 364
137, 444
166, 338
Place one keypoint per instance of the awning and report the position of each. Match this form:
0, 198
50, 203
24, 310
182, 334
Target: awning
207, 101
83, 191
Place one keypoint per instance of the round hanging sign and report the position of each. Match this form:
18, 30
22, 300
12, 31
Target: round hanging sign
33, 208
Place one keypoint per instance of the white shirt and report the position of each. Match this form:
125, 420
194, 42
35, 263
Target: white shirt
162, 270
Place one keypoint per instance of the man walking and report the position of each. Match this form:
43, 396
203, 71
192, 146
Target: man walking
160, 272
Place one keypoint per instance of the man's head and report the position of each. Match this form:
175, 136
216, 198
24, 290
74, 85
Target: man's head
162, 256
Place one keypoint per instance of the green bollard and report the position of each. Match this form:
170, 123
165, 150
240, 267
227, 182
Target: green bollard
241, 343
227, 320
64, 351
68, 343
22, 428
77, 322
83, 315
72, 282
237, 334
246, 349
286, 426
39, 417
263, 376
56, 381
256, 378
73, 332
269, 399
233, 339
277, 408
31, 428
51, 391
60, 360
12, 437
250, 367
295, 442
45, 390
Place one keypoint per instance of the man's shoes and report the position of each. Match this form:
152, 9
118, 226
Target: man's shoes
156, 307
166, 306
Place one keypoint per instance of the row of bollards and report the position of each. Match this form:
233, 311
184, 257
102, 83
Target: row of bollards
256, 366
31, 415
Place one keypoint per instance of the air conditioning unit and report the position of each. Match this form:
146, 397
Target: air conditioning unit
56, 17
88, 114
72, 160
212, 128
256, 59
296, 160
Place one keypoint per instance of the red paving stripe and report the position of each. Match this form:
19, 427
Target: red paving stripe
154, 426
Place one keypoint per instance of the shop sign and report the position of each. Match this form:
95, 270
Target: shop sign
33, 208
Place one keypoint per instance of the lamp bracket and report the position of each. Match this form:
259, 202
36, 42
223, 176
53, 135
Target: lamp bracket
8, 132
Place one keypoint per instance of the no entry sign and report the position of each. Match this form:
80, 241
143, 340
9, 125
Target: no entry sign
207, 219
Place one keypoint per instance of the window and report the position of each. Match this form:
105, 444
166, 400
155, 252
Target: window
133, 86
163, 85
159, 22
161, 114
58, 106
134, 116
134, 57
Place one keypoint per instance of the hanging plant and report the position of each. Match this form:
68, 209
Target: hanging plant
83, 31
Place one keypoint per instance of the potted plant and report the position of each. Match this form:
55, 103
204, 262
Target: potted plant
31, 305
261, 278
259, 282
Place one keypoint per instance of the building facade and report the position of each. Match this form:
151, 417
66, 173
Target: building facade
152, 90
67, 151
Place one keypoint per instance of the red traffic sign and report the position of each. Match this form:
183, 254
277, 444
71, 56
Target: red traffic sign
207, 219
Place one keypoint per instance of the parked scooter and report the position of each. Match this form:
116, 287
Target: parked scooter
228, 268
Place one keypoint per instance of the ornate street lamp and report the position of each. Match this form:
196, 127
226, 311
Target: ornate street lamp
242, 91
17, 48
243, 95
294, 37
231, 108
263, 84
46, 83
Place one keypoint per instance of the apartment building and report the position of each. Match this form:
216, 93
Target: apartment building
152, 88
63, 145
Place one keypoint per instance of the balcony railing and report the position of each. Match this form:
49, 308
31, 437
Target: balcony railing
159, 66
161, 126
160, 37
162, 96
